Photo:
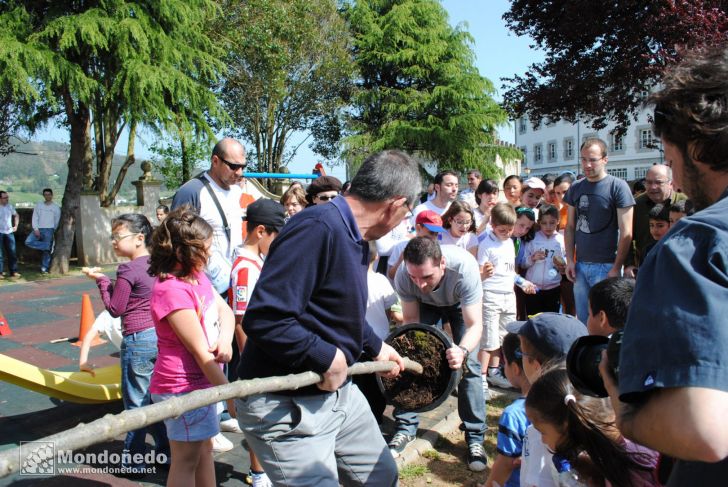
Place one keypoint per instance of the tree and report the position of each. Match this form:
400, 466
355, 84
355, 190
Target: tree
107, 64
178, 158
419, 89
602, 56
289, 71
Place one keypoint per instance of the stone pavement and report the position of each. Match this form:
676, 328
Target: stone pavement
40, 311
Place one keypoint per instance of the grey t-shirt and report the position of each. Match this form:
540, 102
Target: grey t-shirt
460, 282
597, 229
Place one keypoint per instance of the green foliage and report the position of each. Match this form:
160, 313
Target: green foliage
419, 88
169, 156
289, 70
409, 472
431, 454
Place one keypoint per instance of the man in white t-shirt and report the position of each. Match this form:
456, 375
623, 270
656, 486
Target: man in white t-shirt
8, 226
46, 216
220, 183
226, 169
446, 191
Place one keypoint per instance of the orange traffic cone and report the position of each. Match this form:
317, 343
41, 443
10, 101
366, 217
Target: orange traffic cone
87, 322
4, 326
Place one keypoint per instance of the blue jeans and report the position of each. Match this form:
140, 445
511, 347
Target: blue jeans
138, 354
44, 243
471, 403
7, 247
317, 440
587, 274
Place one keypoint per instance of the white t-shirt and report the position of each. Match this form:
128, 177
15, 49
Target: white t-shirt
467, 241
6, 218
502, 255
428, 205
230, 202
397, 234
46, 215
396, 252
537, 468
543, 273
381, 297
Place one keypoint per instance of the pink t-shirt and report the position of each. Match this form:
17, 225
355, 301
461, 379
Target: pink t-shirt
176, 369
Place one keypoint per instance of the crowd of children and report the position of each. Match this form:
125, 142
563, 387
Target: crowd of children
177, 331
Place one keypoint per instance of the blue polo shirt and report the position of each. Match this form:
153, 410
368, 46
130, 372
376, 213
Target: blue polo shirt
678, 313
311, 297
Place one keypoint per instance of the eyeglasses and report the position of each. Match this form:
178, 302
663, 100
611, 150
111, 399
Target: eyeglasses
520, 354
233, 167
115, 237
650, 182
464, 223
326, 197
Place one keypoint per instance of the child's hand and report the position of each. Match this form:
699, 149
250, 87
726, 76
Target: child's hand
538, 255
87, 367
529, 287
92, 272
487, 270
223, 352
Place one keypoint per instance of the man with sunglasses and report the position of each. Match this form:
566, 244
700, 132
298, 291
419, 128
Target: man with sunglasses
322, 190
215, 194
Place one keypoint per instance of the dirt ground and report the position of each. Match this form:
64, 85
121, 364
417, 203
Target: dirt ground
445, 465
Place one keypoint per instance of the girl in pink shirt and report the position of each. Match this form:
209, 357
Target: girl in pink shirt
195, 330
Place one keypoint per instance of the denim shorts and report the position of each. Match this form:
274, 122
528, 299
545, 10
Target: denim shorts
195, 425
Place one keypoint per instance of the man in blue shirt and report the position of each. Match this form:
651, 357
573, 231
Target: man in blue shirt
673, 365
307, 312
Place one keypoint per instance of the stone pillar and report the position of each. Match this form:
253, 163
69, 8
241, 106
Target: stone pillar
147, 188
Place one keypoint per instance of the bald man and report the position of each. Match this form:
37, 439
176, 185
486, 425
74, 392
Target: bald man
659, 190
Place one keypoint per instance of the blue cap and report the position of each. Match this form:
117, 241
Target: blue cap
552, 334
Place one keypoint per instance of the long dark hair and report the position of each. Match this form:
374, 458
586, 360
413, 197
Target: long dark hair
588, 421
135, 223
179, 244
455, 208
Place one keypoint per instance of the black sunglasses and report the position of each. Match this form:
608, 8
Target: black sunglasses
233, 166
325, 197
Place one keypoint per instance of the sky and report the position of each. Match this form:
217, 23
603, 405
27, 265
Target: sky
499, 54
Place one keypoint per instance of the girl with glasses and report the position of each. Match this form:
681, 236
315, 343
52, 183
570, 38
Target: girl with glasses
459, 223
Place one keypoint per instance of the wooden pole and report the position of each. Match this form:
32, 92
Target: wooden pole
113, 425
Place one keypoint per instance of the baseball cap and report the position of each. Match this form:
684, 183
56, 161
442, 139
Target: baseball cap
535, 183
552, 334
430, 220
266, 212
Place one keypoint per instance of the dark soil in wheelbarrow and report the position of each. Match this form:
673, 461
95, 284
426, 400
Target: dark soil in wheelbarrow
412, 391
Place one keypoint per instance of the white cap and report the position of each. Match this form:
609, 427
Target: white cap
535, 183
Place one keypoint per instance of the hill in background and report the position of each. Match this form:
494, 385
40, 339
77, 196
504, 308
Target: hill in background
44, 165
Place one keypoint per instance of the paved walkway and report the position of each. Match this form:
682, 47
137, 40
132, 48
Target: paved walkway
41, 311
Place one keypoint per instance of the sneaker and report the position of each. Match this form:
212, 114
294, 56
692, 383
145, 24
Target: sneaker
261, 480
497, 379
15, 274
486, 391
220, 444
230, 426
399, 442
476, 457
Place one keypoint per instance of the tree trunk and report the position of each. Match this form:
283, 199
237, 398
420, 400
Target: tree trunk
79, 160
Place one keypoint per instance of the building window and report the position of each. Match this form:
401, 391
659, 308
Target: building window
552, 151
537, 155
618, 172
522, 125
524, 150
641, 172
646, 141
568, 148
617, 143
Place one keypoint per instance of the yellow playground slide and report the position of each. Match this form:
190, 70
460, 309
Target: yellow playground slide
77, 387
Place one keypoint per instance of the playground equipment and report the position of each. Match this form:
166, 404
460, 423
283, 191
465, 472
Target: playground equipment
77, 387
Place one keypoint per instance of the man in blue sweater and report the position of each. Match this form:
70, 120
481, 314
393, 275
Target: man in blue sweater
307, 312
